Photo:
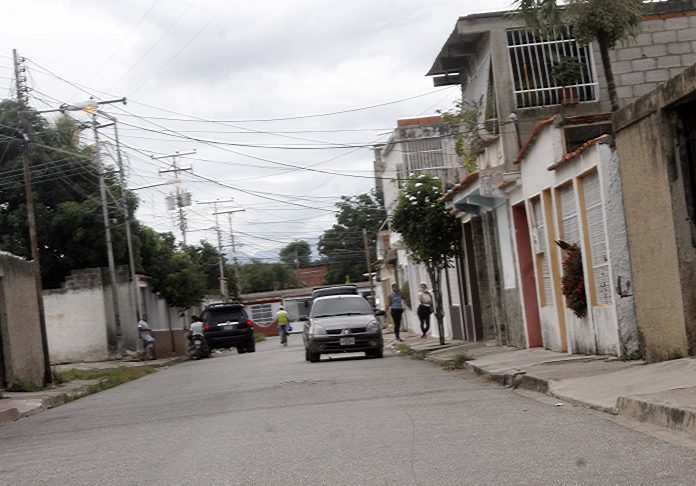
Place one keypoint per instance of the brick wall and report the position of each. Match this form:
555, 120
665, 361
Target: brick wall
665, 46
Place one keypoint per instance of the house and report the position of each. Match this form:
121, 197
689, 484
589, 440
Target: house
656, 140
543, 154
416, 146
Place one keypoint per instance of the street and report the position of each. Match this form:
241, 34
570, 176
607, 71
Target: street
272, 418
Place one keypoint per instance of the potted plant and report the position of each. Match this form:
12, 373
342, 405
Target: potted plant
567, 73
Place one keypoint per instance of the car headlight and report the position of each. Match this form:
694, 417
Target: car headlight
317, 330
373, 326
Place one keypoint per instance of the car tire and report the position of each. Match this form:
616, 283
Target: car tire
306, 354
314, 357
251, 347
376, 353
241, 350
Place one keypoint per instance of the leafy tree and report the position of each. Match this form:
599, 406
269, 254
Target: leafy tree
607, 22
297, 253
207, 257
258, 276
342, 244
69, 221
175, 274
430, 233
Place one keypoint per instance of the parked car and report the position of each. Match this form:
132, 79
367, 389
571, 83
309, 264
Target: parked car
228, 325
342, 324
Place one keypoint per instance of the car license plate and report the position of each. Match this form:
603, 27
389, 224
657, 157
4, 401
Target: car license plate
227, 328
347, 341
197, 341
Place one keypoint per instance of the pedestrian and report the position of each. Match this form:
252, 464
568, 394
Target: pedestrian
395, 303
425, 308
283, 322
146, 338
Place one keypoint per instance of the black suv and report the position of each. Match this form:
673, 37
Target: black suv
227, 325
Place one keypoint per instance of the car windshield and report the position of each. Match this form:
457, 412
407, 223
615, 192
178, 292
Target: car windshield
341, 306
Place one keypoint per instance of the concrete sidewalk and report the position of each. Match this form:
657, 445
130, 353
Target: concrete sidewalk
659, 393
15, 405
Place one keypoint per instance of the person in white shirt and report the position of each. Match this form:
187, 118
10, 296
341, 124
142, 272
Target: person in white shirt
196, 326
425, 308
147, 338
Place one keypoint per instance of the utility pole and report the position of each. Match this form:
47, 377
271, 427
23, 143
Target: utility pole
127, 220
224, 291
176, 169
31, 216
235, 260
109, 242
369, 266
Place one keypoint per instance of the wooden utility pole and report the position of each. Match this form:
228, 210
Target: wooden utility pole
31, 217
369, 266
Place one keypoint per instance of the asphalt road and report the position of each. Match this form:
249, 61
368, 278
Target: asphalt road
271, 418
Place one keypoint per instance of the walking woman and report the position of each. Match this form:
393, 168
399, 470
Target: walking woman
425, 308
395, 303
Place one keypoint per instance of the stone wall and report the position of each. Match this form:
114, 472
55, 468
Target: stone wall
20, 329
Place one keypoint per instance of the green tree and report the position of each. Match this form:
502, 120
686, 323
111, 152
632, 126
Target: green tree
297, 253
207, 258
69, 222
607, 22
258, 276
430, 233
342, 245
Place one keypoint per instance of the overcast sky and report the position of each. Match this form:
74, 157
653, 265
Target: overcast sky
235, 65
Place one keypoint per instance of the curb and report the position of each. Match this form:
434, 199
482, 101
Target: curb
9, 415
659, 413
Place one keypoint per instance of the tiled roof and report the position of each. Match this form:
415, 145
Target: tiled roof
579, 151
466, 182
426, 120
532, 138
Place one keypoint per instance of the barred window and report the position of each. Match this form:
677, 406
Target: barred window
532, 60
262, 314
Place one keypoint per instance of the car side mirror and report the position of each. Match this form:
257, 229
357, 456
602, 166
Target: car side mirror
379, 312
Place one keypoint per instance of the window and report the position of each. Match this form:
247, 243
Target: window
532, 59
542, 254
262, 314
570, 230
599, 255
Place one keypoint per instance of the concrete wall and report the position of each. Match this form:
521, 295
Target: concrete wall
658, 225
20, 330
76, 324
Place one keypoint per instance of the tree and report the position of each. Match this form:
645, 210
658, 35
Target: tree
607, 22
67, 204
296, 254
261, 277
342, 244
207, 257
430, 233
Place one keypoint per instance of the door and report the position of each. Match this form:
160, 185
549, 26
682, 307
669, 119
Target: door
3, 326
474, 323
526, 263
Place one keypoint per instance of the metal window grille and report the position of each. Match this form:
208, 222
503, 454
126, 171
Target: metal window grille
598, 239
532, 58
426, 155
262, 314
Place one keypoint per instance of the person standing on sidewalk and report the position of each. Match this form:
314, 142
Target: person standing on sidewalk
395, 302
282, 321
425, 308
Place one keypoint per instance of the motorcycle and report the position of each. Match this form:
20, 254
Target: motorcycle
198, 348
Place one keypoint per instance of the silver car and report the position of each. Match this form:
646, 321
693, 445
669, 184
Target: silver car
342, 324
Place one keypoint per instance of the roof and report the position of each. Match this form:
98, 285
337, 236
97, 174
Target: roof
424, 120
532, 138
466, 182
579, 151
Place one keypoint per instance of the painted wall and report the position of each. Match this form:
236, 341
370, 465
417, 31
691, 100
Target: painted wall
76, 325
20, 331
658, 226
